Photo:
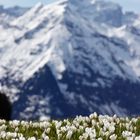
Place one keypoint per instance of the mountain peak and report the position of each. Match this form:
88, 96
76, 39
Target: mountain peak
98, 10
39, 5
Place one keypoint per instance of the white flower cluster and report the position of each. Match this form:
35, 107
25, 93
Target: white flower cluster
93, 127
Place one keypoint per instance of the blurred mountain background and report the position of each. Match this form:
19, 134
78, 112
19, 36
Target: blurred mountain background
70, 57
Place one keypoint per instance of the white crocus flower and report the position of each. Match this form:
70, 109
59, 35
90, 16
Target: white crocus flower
32, 138
69, 134
113, 137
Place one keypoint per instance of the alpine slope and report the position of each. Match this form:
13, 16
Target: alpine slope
70, 57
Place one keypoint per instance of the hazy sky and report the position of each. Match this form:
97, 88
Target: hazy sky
133, 5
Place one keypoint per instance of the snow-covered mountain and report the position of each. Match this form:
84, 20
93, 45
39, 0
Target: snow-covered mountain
71, 57
9, 14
